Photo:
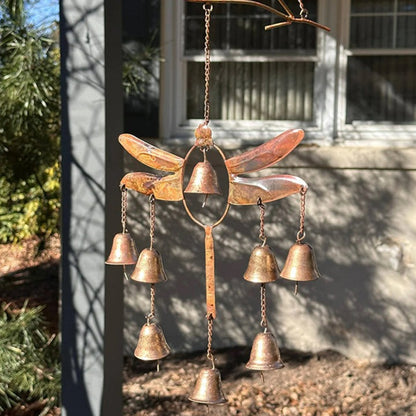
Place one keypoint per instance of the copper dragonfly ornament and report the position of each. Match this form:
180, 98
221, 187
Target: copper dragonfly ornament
168, 185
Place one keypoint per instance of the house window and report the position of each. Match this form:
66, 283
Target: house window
381, 75
354, 82
256, 75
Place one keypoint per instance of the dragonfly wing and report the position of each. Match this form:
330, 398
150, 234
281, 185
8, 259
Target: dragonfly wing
164, 188
246, 191
150, 155
140, 181
169, 188
266, 154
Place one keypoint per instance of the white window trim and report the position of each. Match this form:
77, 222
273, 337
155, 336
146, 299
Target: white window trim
365, 133
330, 90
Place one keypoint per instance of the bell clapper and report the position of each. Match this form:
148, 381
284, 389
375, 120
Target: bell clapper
296, 288
262, 376
126, 276
158, 366
205, 201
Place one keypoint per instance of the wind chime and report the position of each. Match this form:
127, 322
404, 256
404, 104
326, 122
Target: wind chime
262, 268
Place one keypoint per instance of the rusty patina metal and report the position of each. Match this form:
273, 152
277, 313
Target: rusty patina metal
300, 264
123, 251
149, 267
262, 266
265, 354
208, 388
242, 190
151, 344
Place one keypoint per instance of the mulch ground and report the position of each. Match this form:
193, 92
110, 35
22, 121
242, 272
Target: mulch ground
324, 384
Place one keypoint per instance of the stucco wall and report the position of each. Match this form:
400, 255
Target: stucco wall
361, 222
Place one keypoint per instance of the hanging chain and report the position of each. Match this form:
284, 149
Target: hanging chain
208, 9
303, 10
123, 190
151, 315
301, 233
262, 208
152, 210
263, 322
209, 345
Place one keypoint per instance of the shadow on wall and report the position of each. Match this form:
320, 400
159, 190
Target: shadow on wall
360, 225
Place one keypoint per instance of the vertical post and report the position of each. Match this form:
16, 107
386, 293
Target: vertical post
92, 296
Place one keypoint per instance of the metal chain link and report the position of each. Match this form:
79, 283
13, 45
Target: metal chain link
209, 345
262, 208
123, 190
151, 315
208, 9
152, 211
263, 322
303, 10
301, 233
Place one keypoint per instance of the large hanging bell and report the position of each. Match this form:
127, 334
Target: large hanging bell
203, 180
149, 267
300, 264
123, 250
262, 266
265, 354
152, 344
208, 388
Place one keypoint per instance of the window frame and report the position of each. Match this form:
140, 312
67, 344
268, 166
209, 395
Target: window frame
330, 99
365, 132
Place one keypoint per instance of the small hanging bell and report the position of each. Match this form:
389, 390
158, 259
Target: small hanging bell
262, 266
123, 250
149, 267
208, 388
265, 354
152, 344
203, 180
300, 264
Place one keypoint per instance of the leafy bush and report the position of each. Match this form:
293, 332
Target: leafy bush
30, 127
29, 359
30, 206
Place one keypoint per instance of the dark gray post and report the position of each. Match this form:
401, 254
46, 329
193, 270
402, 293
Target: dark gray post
92, 295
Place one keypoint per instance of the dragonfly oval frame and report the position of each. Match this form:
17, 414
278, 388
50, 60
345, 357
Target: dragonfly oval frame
188, 211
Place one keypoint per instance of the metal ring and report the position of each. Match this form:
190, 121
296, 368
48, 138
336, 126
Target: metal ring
300, 236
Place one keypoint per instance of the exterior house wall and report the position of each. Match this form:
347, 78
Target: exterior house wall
359, 219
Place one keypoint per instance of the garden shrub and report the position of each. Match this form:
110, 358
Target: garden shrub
29, 359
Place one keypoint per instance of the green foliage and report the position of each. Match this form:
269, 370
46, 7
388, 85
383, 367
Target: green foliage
30, 206
29, 359
30, 127
139, 66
